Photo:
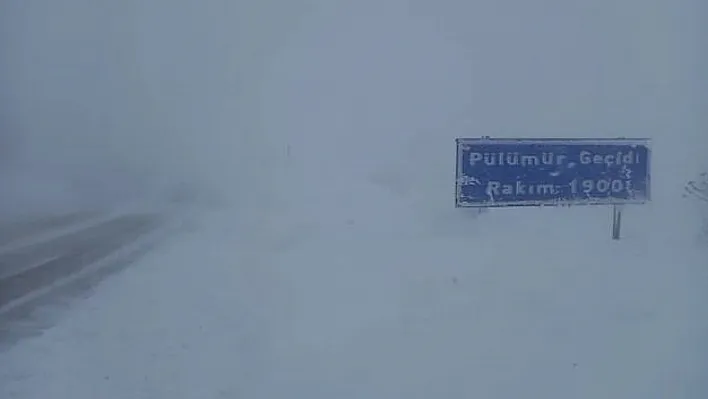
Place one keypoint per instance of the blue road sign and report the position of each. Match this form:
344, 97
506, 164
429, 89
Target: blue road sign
535, 172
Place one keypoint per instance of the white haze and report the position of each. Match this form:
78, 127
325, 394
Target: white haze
107, 101
328, 127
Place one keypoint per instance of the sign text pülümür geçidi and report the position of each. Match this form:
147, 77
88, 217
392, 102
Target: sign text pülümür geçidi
550, 158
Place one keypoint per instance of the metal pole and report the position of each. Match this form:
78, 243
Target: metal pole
616, 221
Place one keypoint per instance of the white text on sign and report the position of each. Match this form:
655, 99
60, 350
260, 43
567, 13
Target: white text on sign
550, 158
590, 187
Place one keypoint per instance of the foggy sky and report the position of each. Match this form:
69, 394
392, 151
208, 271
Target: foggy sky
108, 101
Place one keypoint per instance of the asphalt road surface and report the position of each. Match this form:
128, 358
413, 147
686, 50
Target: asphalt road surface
46, 261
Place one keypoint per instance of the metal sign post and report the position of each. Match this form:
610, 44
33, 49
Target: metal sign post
616, 221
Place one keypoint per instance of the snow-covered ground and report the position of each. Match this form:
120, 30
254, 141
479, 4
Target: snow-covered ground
515, 303
346, 273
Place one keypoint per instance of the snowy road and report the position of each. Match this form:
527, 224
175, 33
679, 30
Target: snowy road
18, 232
42, 258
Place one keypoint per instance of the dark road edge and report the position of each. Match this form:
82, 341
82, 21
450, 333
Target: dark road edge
43, 310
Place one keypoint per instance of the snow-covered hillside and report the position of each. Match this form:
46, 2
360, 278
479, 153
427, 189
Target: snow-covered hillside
342, 269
